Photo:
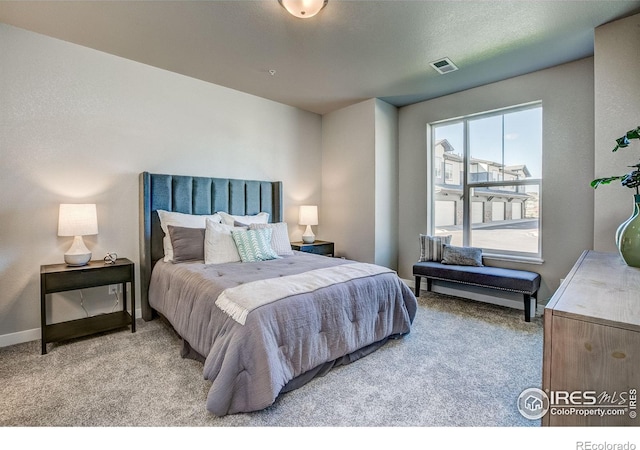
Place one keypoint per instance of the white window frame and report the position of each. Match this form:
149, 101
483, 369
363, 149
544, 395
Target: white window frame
468, 186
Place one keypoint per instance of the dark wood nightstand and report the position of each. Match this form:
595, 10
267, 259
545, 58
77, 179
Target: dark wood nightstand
60, 277
324, 248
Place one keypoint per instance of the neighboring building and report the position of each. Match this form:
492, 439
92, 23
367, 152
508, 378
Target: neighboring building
488, 204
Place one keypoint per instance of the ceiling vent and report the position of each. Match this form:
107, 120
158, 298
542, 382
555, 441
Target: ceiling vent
444, 65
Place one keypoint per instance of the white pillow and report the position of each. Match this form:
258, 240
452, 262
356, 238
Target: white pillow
180, 220
230, 220
280, 242
219, 246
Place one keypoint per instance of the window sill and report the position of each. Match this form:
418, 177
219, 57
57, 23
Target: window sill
513, 258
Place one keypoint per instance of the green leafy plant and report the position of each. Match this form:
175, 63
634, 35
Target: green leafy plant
631, 179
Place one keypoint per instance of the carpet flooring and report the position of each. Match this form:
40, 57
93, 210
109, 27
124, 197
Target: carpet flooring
463, 364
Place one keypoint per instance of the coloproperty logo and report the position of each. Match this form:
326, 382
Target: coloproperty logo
534, 403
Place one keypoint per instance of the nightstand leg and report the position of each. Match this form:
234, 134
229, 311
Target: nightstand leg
133, 302
43, 316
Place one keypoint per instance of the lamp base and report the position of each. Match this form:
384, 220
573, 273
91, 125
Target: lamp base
78, 254
308, 237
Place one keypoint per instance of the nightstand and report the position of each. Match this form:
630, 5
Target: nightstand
60, 277
324, 248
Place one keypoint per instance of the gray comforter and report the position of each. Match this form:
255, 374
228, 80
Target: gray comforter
250, 364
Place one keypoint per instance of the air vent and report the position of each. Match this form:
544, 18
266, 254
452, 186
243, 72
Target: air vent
444, 65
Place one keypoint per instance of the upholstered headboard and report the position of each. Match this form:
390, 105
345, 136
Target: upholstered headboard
195, 195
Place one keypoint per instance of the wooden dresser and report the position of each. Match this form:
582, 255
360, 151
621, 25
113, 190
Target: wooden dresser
591, 361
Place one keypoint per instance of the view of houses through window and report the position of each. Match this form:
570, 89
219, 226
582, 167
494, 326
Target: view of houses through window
494, 159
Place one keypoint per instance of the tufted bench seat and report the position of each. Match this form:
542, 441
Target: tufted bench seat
520, 281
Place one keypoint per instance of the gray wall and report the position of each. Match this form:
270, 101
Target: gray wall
347, 214
617, 110
78, 125
386, 184
359, 181
566, 93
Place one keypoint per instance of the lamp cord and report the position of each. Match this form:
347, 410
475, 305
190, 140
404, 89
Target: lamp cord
117, 302
82, 303
85, 309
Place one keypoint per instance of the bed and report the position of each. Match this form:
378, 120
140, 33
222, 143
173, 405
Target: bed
260, 327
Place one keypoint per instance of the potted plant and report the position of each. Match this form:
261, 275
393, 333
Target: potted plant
628, 233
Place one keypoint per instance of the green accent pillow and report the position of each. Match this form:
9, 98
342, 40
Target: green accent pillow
254, 245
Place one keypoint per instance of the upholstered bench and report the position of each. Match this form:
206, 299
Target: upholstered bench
520, 281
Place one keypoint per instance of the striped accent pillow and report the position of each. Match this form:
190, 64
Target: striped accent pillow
432, 247
254, 245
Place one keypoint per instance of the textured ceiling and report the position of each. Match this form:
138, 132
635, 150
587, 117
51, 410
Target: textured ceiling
353, 50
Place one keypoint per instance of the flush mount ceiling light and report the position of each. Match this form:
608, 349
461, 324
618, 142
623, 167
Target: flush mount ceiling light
303, 9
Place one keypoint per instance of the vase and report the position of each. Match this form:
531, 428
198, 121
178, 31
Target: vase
629, 243
619, 230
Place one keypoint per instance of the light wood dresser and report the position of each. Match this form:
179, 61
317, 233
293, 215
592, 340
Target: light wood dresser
591, 360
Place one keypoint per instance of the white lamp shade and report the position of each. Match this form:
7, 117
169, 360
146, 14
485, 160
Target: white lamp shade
308, 215
77, 220
303, 8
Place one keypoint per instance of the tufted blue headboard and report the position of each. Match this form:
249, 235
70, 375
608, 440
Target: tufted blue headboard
195, 195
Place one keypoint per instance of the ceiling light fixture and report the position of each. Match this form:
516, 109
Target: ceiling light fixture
303, 9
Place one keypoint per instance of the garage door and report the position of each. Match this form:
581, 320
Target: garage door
497, 211
445, 213
516, 211
477, 212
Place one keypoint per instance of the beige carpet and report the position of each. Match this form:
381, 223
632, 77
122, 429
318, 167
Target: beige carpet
463, 364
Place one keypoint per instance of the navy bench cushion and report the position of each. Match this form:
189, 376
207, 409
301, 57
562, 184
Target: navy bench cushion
496, 277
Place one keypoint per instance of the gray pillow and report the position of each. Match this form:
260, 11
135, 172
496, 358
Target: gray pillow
462, 256
188, 243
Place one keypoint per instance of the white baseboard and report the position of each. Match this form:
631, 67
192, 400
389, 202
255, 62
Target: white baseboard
486, 295
19, 337
32, 335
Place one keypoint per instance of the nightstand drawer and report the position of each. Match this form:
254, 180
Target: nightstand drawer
85, 278
324, 248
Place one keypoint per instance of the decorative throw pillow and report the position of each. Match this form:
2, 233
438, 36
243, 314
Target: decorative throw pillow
180, 220
462, 256
254, 245
187, 243
280, 242
219, 246
431, 247
244, 221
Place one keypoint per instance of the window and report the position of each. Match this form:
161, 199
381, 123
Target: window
495, 160
448, 173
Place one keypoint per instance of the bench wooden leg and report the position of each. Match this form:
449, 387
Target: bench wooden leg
418, 280
527, 308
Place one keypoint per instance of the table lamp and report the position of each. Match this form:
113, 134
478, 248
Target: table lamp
308, 217
77, 220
